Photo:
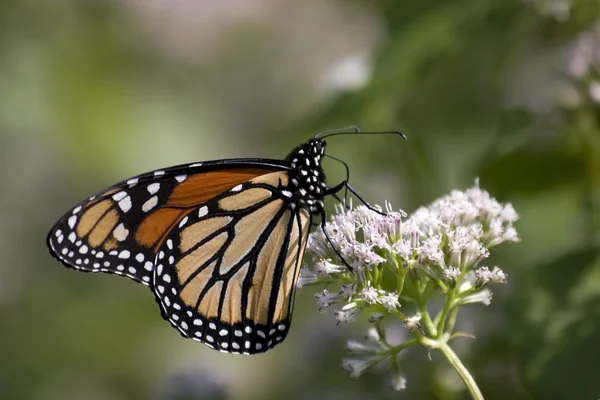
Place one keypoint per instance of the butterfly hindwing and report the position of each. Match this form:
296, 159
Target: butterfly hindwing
119, 229
226, 274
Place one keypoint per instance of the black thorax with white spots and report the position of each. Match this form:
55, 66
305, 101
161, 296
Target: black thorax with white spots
307, 179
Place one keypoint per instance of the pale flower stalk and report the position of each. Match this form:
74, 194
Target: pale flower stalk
438, 250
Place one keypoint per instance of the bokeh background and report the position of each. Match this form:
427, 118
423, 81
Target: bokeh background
95, 91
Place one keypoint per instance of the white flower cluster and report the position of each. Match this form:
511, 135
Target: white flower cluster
445, 241
438, 248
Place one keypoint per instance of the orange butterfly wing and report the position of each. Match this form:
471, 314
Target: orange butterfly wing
119, 229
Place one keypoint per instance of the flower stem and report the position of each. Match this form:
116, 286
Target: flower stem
441, 326
461, 370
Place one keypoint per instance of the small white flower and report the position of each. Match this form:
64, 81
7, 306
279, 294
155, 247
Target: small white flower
459, 239
347, 314
325, 267
474, 253
363, 253
392, 225
451, 273
403, 249
498, 276
356, 367
369, 294
495, 232
398, 381
347, 291
325, 299
319, 246
483, 275
413, 323
483, 296
508, 213
372, 335
307, 277
389, 301
359, 348
510, 235
430, 250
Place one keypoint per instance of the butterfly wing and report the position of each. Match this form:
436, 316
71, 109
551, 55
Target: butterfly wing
226, 274
119, 229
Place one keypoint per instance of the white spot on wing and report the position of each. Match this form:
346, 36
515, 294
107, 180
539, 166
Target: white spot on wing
119, 196
153, 187
159, 173
72, 221
120, 233
125, 204
150, 204
183, 221
202, 211
180, 178
237, 188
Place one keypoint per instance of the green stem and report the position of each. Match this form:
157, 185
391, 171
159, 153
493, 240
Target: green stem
461, 370
422, 307
444, 314
402, 346
452, 320
400, 285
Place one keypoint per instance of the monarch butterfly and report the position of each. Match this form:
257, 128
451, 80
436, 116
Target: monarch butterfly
220, 243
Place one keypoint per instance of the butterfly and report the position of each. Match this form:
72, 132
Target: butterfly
219, 243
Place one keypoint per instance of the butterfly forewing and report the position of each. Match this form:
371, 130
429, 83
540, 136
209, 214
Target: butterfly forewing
119, 230
226, 274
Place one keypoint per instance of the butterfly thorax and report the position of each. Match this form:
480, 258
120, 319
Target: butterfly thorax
307, 178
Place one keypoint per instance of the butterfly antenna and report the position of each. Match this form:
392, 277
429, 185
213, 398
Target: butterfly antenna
353, 130
347, 130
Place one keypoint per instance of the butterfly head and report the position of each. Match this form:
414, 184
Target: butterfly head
308, 178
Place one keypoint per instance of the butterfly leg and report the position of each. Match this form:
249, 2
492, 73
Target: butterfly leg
332, 190
333, 246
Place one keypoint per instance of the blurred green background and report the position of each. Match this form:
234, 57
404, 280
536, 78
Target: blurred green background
95, 91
